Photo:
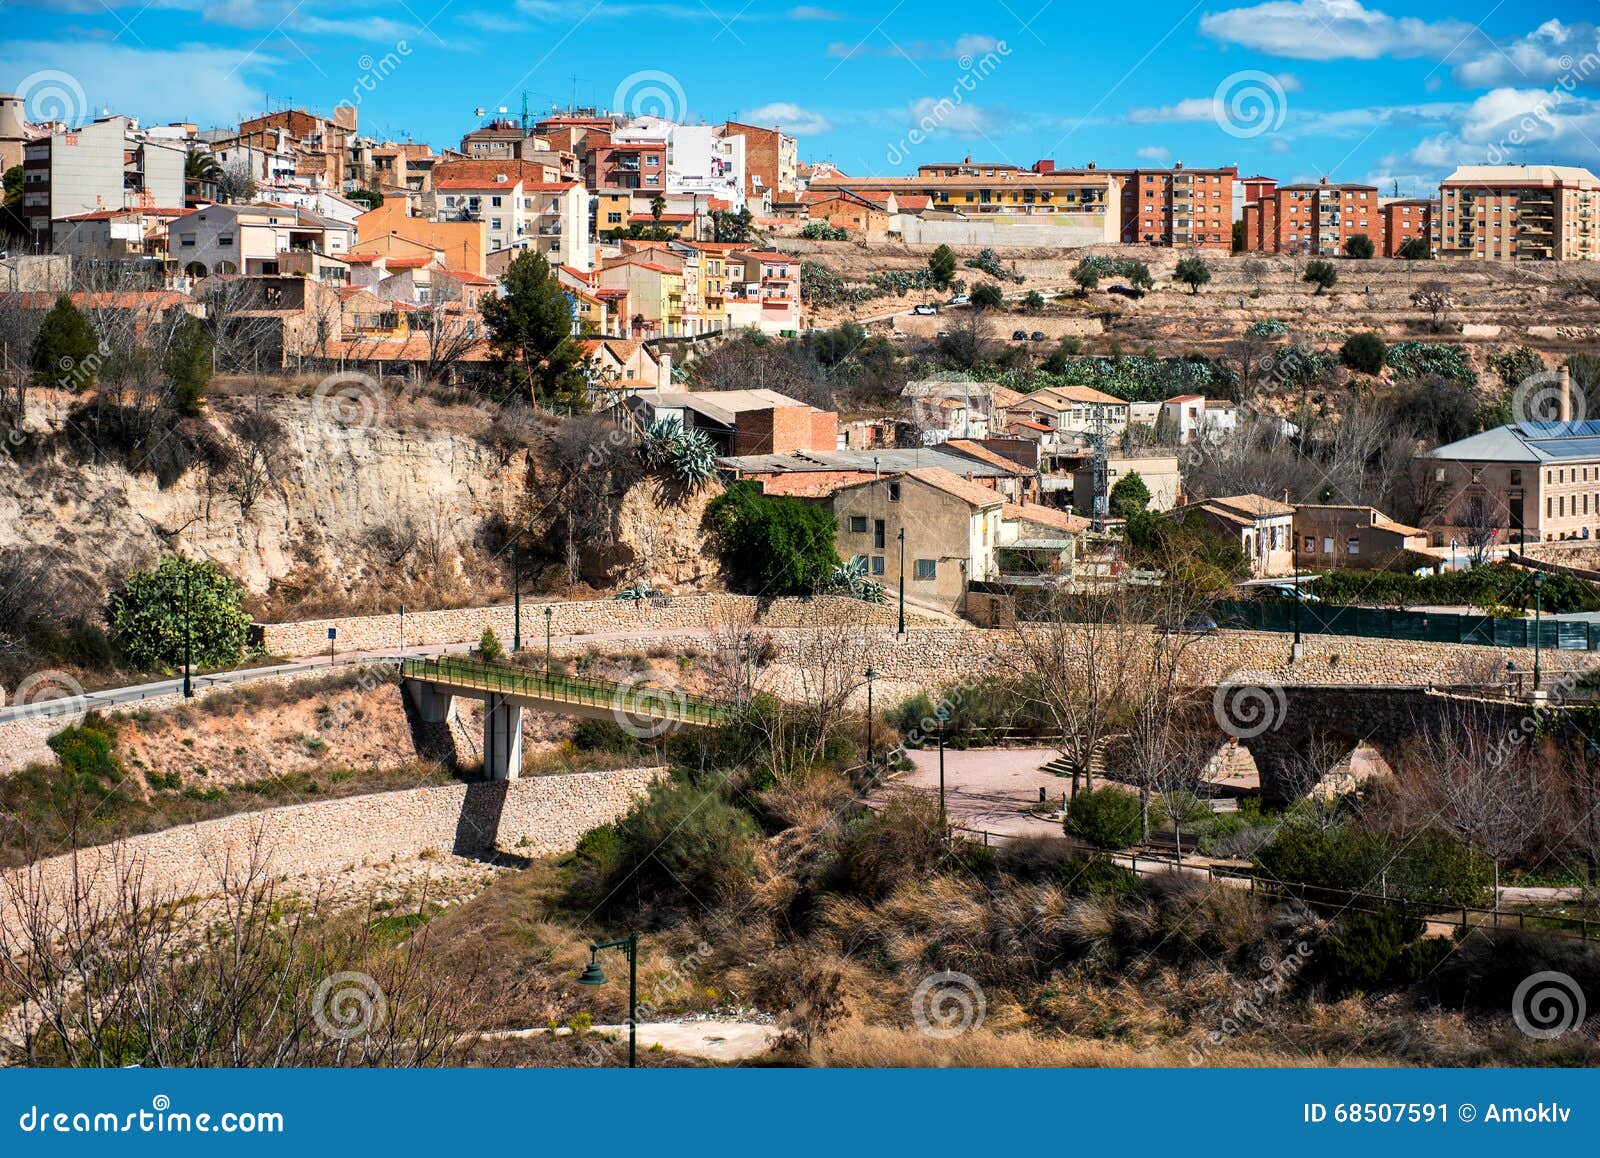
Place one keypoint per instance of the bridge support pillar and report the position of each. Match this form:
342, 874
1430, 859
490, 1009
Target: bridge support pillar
433, 706
502, 739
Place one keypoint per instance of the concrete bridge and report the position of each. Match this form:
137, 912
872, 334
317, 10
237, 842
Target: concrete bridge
1278, 724
645, 711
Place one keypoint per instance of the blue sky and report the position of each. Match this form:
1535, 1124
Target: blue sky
1377, 90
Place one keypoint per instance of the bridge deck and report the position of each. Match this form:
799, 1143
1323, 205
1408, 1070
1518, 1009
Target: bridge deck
549, 689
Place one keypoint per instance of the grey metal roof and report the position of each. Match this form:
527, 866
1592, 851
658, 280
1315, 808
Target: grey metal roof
884, 461
1528, 442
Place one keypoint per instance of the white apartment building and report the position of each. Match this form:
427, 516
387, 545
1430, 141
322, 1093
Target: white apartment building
700, 163
548, 217
107, 164
260, 239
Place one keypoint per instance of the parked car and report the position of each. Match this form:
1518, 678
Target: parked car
1290, 592
959, 300
1038, 336
944, 333
1019, 335
898, 334
1193, 624
1125, 291
925, 311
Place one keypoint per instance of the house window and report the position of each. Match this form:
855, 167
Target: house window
858, 524
1310, 547
1516, 478
1352, 546
878, 537
894, 492
225, 239
877, 564
927, 569
1327, 546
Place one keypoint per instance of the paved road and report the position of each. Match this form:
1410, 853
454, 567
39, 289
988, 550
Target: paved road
716, 1040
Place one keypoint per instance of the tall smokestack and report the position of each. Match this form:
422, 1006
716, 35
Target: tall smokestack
1564, 393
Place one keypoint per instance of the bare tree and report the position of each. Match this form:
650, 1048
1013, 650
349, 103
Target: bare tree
253, 454
1435, 298
448, 329
1491, 795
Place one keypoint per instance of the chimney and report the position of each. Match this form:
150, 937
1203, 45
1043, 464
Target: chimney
1564, 393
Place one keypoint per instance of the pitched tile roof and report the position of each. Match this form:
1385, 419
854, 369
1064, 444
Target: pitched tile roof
956, 487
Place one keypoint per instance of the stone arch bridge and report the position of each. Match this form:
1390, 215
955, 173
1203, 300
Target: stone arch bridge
1278, 724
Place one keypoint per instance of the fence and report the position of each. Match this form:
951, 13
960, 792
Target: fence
538, 684
1423, 626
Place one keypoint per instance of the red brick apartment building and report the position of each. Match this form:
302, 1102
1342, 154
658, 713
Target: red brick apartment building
1314, 219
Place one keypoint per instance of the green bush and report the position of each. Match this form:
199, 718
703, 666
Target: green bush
1105, 818
987, 296
155, 611
1427, 868
875, 853
1421, 359
682, 843
87, 755
773, 544
1368, 952
489, 645
1492, 585
1363, 352
1128, 494
1359, 245
602, 736
65, 351
1192, 272
1321, 274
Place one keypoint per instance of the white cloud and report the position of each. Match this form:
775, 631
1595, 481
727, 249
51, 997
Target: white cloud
1153, 153
190, 82
1192, 109
1510, 125
942, 114
1334, 30
971, 44
810, 12
793, 119
1550, 54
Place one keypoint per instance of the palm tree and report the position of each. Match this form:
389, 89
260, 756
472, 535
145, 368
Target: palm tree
201, 166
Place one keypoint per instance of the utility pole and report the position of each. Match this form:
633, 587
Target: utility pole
516, 566
188, 634
902, 538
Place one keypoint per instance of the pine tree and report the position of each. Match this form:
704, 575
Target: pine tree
187, 364
65, 351
530, 329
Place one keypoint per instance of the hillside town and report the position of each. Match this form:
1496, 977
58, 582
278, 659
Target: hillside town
606, 540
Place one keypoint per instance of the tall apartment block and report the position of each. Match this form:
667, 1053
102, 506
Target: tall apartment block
107, 164
1520, 213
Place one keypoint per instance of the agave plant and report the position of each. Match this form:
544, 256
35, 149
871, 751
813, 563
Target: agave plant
851, 579
655, 444
692, 458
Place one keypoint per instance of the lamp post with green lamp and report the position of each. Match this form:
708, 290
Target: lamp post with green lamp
594, 975
549, 613
516, 599
871, 675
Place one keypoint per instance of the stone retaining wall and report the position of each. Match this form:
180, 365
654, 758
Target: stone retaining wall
585, 617
532, 817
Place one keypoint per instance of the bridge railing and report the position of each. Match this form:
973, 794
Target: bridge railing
535, 683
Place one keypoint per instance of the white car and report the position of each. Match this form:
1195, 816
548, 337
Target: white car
925, 311
959, 300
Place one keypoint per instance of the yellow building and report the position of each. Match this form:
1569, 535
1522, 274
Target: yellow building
465, 244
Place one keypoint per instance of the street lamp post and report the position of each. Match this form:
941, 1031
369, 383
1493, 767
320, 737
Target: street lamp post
593, 975
902, 538
516, 599
549, 613
943, 819
188, 635
1538, 620
871, 756
1294, 555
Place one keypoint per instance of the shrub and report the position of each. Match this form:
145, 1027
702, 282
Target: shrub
1363, 352
87, 754
188, 364
987, 296
773, 544
1359, 245
1430, 867
602, 736
683, 843
877, 852
1128, 494
1104, 818
1192, 272
1415, 250
1033, 301
942, 266
1321, 274
822, 231
489, 645
1368, 951
155, 611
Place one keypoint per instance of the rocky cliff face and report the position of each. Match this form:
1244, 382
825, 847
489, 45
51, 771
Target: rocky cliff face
341, 498
661, 530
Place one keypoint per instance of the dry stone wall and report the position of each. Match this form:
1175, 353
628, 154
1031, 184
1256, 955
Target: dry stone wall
532, 817
584, 617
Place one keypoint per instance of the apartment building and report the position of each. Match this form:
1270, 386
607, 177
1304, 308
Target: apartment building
518, 207
1409, 219
654, 293
1187, 208
1520, 213
107, 164
763, 292
403, 166
1077, 410
261, 240
327, 150
771, 165
403, 226
1319, 219
637, 162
